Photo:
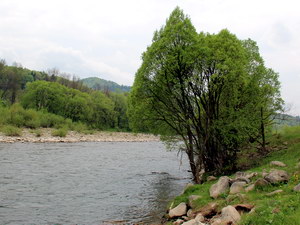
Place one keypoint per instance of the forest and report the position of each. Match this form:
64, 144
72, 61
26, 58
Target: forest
36, 99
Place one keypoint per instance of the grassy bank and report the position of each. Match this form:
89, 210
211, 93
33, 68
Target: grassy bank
278, 209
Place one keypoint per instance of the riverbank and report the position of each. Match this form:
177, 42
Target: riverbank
45, 135
267, 193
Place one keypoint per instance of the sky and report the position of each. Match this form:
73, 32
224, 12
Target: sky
106, 38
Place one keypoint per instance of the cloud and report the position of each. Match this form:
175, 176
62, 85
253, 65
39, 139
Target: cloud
106, 38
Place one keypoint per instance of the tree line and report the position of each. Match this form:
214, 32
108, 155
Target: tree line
62, 95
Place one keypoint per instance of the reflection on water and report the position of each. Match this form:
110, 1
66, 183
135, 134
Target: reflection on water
87, 183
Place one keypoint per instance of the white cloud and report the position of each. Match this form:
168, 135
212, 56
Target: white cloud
106, 38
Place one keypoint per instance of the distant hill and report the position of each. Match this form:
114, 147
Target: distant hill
287, 120
101, 84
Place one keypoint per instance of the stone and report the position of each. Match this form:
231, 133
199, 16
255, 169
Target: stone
220, 187
276, 176
209, 209
237, 187
250, 175
192, 199
178, 222
211, 178
298, 165
264, 173
297, 187
261, 182
241, 179
250, 188
179, 210
193, 222
200, 217
190, 213
274, 192
239, 197
241, 208
277, 163
229, 213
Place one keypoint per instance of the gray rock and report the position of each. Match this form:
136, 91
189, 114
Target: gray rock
178, 222
179, 210
229, 213
209, 209
193, 222
260, 182
277, 163
192, 199
276, 176
274, 192
200, 218
250, 188
297, 188
220, 187
211, 178
237, 187
189, 213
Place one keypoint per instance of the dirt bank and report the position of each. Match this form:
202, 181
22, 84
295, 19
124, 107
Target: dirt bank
73, 136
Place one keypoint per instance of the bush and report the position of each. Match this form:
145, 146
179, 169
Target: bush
61, 132
38, 132
11, 130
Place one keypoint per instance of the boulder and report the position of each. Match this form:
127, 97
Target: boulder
236, 197
211, 178
274, 192
200, 218
193, 222
178, 222
276, 176
241, 208
179, 210
261, 182
250, 188
237, 187
190, 213
209, 209
297, 187
220, 187
241, 179
229, 213
193, 198
277, 163
250, 175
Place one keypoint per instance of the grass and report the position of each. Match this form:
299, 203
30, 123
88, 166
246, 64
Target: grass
9, 130
282, 208
61, 132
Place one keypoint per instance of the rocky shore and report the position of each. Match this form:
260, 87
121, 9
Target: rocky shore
73, 136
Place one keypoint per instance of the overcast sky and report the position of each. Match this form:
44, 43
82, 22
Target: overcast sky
106, 38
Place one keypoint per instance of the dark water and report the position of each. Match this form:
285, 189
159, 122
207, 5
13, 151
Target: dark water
87, 183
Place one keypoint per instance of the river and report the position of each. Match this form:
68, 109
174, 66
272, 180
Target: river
88, 183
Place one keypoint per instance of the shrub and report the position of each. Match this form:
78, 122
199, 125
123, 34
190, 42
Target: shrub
11, 131
61, 132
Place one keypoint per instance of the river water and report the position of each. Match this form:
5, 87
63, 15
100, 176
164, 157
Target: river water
87, 183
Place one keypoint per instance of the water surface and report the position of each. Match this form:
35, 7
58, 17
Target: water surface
87, 183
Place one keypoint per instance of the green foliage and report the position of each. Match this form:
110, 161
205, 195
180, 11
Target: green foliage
211, 90
61, 132
9, 130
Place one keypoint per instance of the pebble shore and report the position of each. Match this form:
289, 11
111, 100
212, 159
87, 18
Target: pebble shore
73, 136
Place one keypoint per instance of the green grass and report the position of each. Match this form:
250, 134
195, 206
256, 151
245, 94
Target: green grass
61, 132
282, 208
9, 130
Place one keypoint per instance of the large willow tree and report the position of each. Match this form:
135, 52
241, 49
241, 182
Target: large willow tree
205, 90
